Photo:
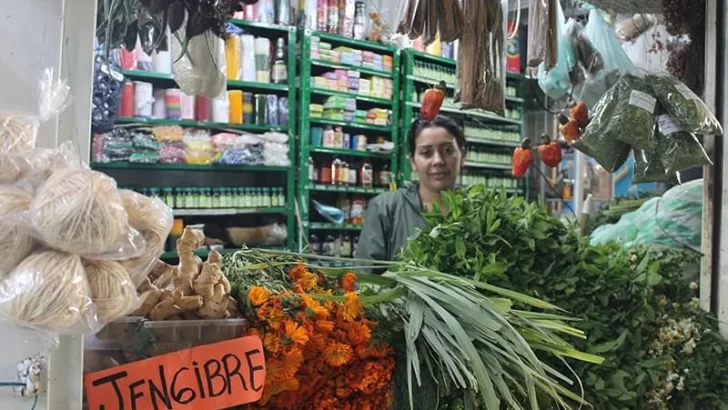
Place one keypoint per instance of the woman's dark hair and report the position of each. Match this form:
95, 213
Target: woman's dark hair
440, 121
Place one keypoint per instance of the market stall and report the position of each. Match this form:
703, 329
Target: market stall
492, 303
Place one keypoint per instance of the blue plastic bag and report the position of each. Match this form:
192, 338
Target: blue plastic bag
555, 82
603, 39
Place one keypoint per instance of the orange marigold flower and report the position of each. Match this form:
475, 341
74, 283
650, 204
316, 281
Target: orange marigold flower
294, 333
348, 282
324, 326
358, 333
315, 307
295, 273
307, 281
338, 354
258, 295
291, 363
352, 307
274, 317
272, 343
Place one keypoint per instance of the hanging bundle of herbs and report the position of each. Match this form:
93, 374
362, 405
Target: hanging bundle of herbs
430, 18
481, 69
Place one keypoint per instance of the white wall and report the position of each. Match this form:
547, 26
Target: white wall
35, 34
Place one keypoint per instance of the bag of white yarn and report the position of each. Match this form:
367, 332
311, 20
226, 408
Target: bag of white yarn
16, 241
80, 211
112, 290
153, 220
49, 291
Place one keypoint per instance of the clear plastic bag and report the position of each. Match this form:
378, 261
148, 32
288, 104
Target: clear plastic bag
648, 168
585, 54
684, 106
679, 150
603, 38
18, 133
198, 148
80, 211
112, 291
597, 142
16, 242
555, 81
194, 71
153, 220
49, 291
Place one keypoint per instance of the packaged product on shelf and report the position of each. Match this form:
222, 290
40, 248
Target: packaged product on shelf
172, 152
173, 103
272, 109
232, 56
261, 109
283, 112
247, 59
159, 107
262, 60
235, 98
114, 146
198, 148
248, 108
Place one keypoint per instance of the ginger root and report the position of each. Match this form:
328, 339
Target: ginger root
191, 290
215, 307
174, 303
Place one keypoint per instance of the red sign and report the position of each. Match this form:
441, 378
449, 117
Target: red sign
210, 377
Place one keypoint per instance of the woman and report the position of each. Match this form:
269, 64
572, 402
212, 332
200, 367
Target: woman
436, 153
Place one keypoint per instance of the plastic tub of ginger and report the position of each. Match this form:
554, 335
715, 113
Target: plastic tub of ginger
130, 339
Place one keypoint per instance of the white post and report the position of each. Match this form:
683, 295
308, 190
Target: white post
34, 35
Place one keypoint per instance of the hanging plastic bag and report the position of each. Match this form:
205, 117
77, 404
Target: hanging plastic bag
684, 106
679, 150
195, 71
648, 168
555, 81
597, 141
605, 42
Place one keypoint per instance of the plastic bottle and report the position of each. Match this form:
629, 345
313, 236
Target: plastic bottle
367, 174
344, 174
335, 171
358, 205
384, 176
279, 70
329, 137
354, 170
346, 246
313, 242
326, 173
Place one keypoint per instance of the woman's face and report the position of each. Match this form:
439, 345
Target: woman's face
437, 159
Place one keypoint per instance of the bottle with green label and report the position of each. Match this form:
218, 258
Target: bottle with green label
281, 198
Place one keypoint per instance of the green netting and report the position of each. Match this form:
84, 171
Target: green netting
673, 220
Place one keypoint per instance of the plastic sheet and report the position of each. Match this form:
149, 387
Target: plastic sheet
673, 220
684, 106
603, 38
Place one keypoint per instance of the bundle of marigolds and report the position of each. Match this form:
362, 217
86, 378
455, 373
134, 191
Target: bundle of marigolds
320, 354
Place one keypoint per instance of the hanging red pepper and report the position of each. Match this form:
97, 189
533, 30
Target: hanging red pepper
432, 101
522, 159
569, 128
549, 151
580, 113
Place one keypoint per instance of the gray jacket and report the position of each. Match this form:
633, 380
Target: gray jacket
390, 220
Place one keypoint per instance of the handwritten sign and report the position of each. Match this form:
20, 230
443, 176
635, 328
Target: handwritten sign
214, 376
